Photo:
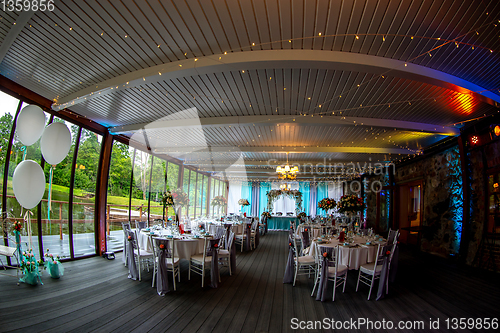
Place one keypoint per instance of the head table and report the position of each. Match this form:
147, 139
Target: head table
281, 222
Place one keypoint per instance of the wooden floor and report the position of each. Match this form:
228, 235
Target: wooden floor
95, 295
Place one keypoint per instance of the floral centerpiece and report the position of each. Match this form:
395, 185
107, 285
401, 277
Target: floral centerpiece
18, 226
181, 198
350, 204
302, 215
266, 214
219, 201
53, 265
327, 203
29, 267
167, 199
243, 202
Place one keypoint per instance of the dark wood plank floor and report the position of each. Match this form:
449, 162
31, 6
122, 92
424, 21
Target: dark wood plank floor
95, 295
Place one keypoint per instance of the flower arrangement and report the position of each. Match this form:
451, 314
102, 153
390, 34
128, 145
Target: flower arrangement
350, 203
18, 226
266, 214
181, 198
51, 257
219, 201
243, 202
29, 267
53, 265
327, 203
29, 263
302, 215
167, 199
273, 195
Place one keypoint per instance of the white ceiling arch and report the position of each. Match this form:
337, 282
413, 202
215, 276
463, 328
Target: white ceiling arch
264, 59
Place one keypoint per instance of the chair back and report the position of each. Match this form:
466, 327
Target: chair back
229, 241
381, 254
168, 244
133, 240
306, 241
219, 232
140, 225
392, 235
126, 226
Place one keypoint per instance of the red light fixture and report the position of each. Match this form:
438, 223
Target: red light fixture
474, 140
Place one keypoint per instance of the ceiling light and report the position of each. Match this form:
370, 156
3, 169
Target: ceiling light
287, 172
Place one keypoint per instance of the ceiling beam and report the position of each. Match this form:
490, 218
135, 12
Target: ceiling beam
282, 120
14, 31
265, 59
291, 150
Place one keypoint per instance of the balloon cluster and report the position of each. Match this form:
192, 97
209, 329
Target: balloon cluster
28, 181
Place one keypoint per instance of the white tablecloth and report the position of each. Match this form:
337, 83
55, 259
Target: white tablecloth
184, 248
237, 228
353, 257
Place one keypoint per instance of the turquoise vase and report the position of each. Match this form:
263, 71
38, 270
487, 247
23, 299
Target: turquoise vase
54, 271
31, 278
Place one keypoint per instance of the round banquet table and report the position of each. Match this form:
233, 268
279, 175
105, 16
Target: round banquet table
184, 247
237, 228
354, 256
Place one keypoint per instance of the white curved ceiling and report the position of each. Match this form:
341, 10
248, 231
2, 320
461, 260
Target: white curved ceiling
380, 78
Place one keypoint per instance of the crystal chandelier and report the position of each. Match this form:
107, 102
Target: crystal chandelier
287, 172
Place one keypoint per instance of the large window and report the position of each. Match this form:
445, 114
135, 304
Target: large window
7, 115
55, 223
140, 191
84, 187
32, 152
157, 188
117, 207
192, 192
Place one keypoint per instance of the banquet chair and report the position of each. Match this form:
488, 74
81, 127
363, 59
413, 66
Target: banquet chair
336, 271
392, 235
140, 225
303, 264
306, 240
172, 260
239, 239
253, 231
370, 272
219, 232
199, 263
225, 253
141, 256
126, 228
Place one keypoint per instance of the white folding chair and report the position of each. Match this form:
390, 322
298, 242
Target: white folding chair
172, 261
370, 272
199, 263
225, 254
141, 256
336, 272
304, 265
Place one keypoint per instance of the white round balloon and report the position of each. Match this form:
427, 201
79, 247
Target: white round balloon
28, 183
55, 143
30, 124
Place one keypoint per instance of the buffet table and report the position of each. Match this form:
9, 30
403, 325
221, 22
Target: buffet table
281, 222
